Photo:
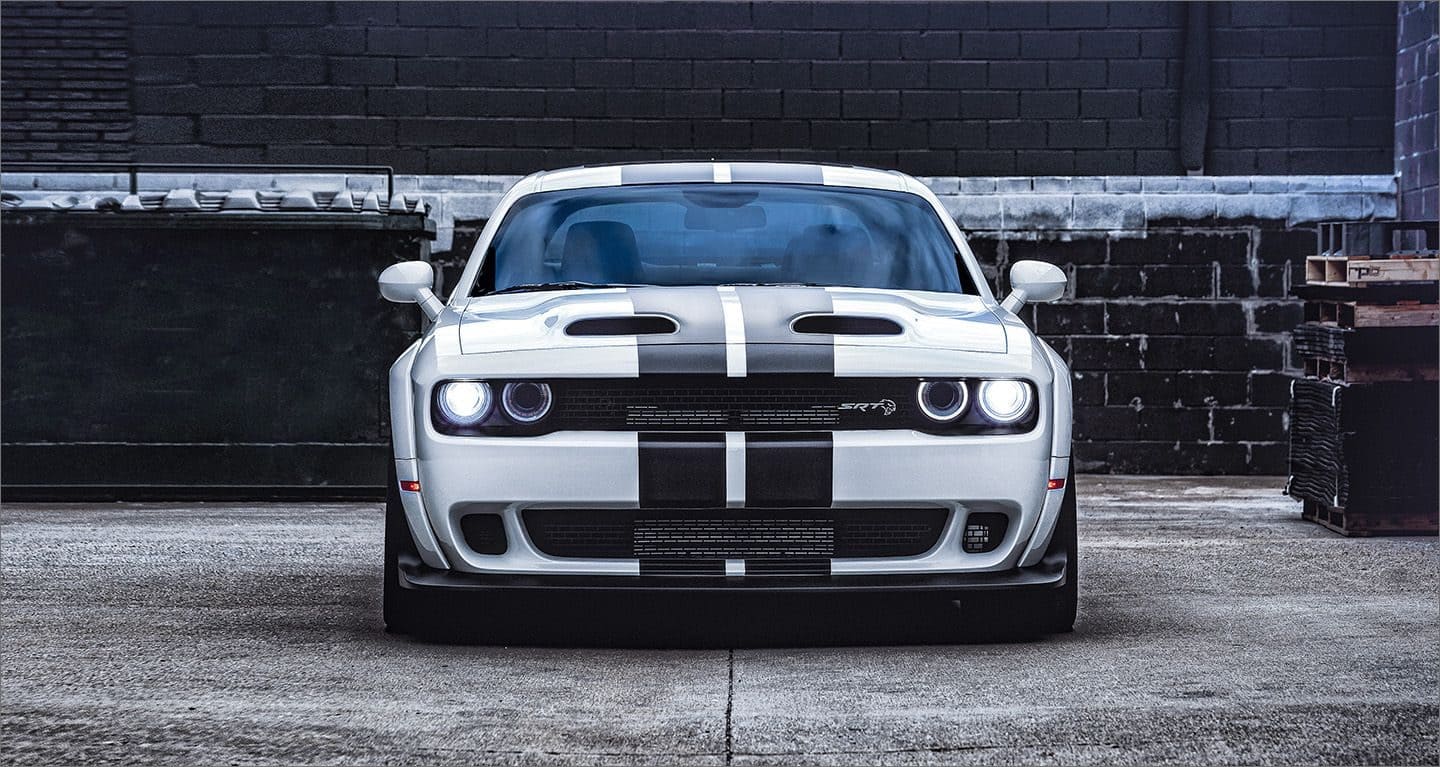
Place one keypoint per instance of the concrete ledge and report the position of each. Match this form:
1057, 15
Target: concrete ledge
1080, 205
1132, 203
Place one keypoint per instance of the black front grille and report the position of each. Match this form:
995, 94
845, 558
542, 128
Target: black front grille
773, 403
664, 534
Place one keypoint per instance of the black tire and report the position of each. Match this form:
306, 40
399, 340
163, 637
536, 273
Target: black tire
1006, 617
1064, 602
403, 612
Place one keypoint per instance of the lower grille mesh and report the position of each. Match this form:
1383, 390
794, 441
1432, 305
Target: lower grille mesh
724, 534
737, 539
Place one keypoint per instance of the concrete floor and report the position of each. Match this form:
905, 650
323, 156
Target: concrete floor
1215, 627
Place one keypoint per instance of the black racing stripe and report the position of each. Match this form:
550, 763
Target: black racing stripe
776, 173
673, 173
698, 347
788, 469
682, 470
771, 346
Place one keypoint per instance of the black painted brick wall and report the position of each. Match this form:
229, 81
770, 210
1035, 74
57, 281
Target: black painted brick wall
1179, 344
198, 350
1417, 91
930, 88
64, 81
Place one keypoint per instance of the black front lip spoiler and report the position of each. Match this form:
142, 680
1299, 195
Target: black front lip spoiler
1049, 574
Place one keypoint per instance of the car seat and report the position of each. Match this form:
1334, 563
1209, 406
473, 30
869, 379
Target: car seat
601, 252
828, 254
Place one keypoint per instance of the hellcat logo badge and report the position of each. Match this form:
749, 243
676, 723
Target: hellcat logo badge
885, 406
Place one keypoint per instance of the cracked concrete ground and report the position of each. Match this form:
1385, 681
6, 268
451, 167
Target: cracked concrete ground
1215, 627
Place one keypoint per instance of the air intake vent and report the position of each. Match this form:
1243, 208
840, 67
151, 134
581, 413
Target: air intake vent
641, 325
984, 531
846, 325
484, 533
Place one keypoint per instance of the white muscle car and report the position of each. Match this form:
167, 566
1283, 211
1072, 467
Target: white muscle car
728, 377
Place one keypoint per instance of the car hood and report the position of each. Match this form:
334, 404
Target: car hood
714, 317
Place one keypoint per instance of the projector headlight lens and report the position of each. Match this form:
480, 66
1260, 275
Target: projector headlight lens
526, 402
943, 401
1005, 402
465, 403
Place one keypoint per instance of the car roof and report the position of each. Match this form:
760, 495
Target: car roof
718, 172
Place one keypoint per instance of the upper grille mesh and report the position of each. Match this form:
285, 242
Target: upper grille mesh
777, 403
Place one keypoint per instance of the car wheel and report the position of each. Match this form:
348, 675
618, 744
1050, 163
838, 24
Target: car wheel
1064, 603
1005, 618
402, 611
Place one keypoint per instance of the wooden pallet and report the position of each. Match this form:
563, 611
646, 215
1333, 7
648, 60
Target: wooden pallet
1340, 371
1386, 293
1364, 271
1354, 314
1361, 271
1403, 519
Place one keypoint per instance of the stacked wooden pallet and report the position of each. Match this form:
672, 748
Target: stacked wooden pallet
1365, 418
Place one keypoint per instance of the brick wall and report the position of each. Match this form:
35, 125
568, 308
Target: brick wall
933, 89
1179, 343
1417, 89
64, 81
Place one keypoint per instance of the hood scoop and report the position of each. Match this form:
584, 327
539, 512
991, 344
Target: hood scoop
638, 325
846, 325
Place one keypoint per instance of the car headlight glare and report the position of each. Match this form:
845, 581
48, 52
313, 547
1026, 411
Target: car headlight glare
465, 403
1005, 402
526, 402
943, 401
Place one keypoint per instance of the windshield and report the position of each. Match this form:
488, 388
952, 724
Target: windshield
723, 234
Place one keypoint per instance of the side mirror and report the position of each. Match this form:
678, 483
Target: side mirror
411, 282
1032, 281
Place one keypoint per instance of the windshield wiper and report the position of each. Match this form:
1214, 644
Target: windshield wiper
775, 285
532, 287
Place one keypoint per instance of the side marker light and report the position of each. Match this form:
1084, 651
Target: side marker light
1054, 484
412, 486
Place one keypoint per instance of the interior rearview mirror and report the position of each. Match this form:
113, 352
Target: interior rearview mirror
1033, 281
411, 282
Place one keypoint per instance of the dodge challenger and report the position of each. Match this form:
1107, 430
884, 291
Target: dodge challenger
739, 378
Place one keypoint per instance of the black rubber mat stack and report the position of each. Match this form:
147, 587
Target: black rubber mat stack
1365, 418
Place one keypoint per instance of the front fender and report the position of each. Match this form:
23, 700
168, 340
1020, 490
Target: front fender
1061, 430
402, 404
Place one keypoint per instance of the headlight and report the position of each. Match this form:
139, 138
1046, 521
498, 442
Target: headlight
1005, 402
465, 403
526, 402
943, 401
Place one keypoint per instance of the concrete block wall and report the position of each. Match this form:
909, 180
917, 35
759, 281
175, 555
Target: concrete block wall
1049, 130
955, 89
65, 81
1176, 324
1417, 109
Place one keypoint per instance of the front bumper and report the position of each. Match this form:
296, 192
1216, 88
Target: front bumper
600, 470
1049, 574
